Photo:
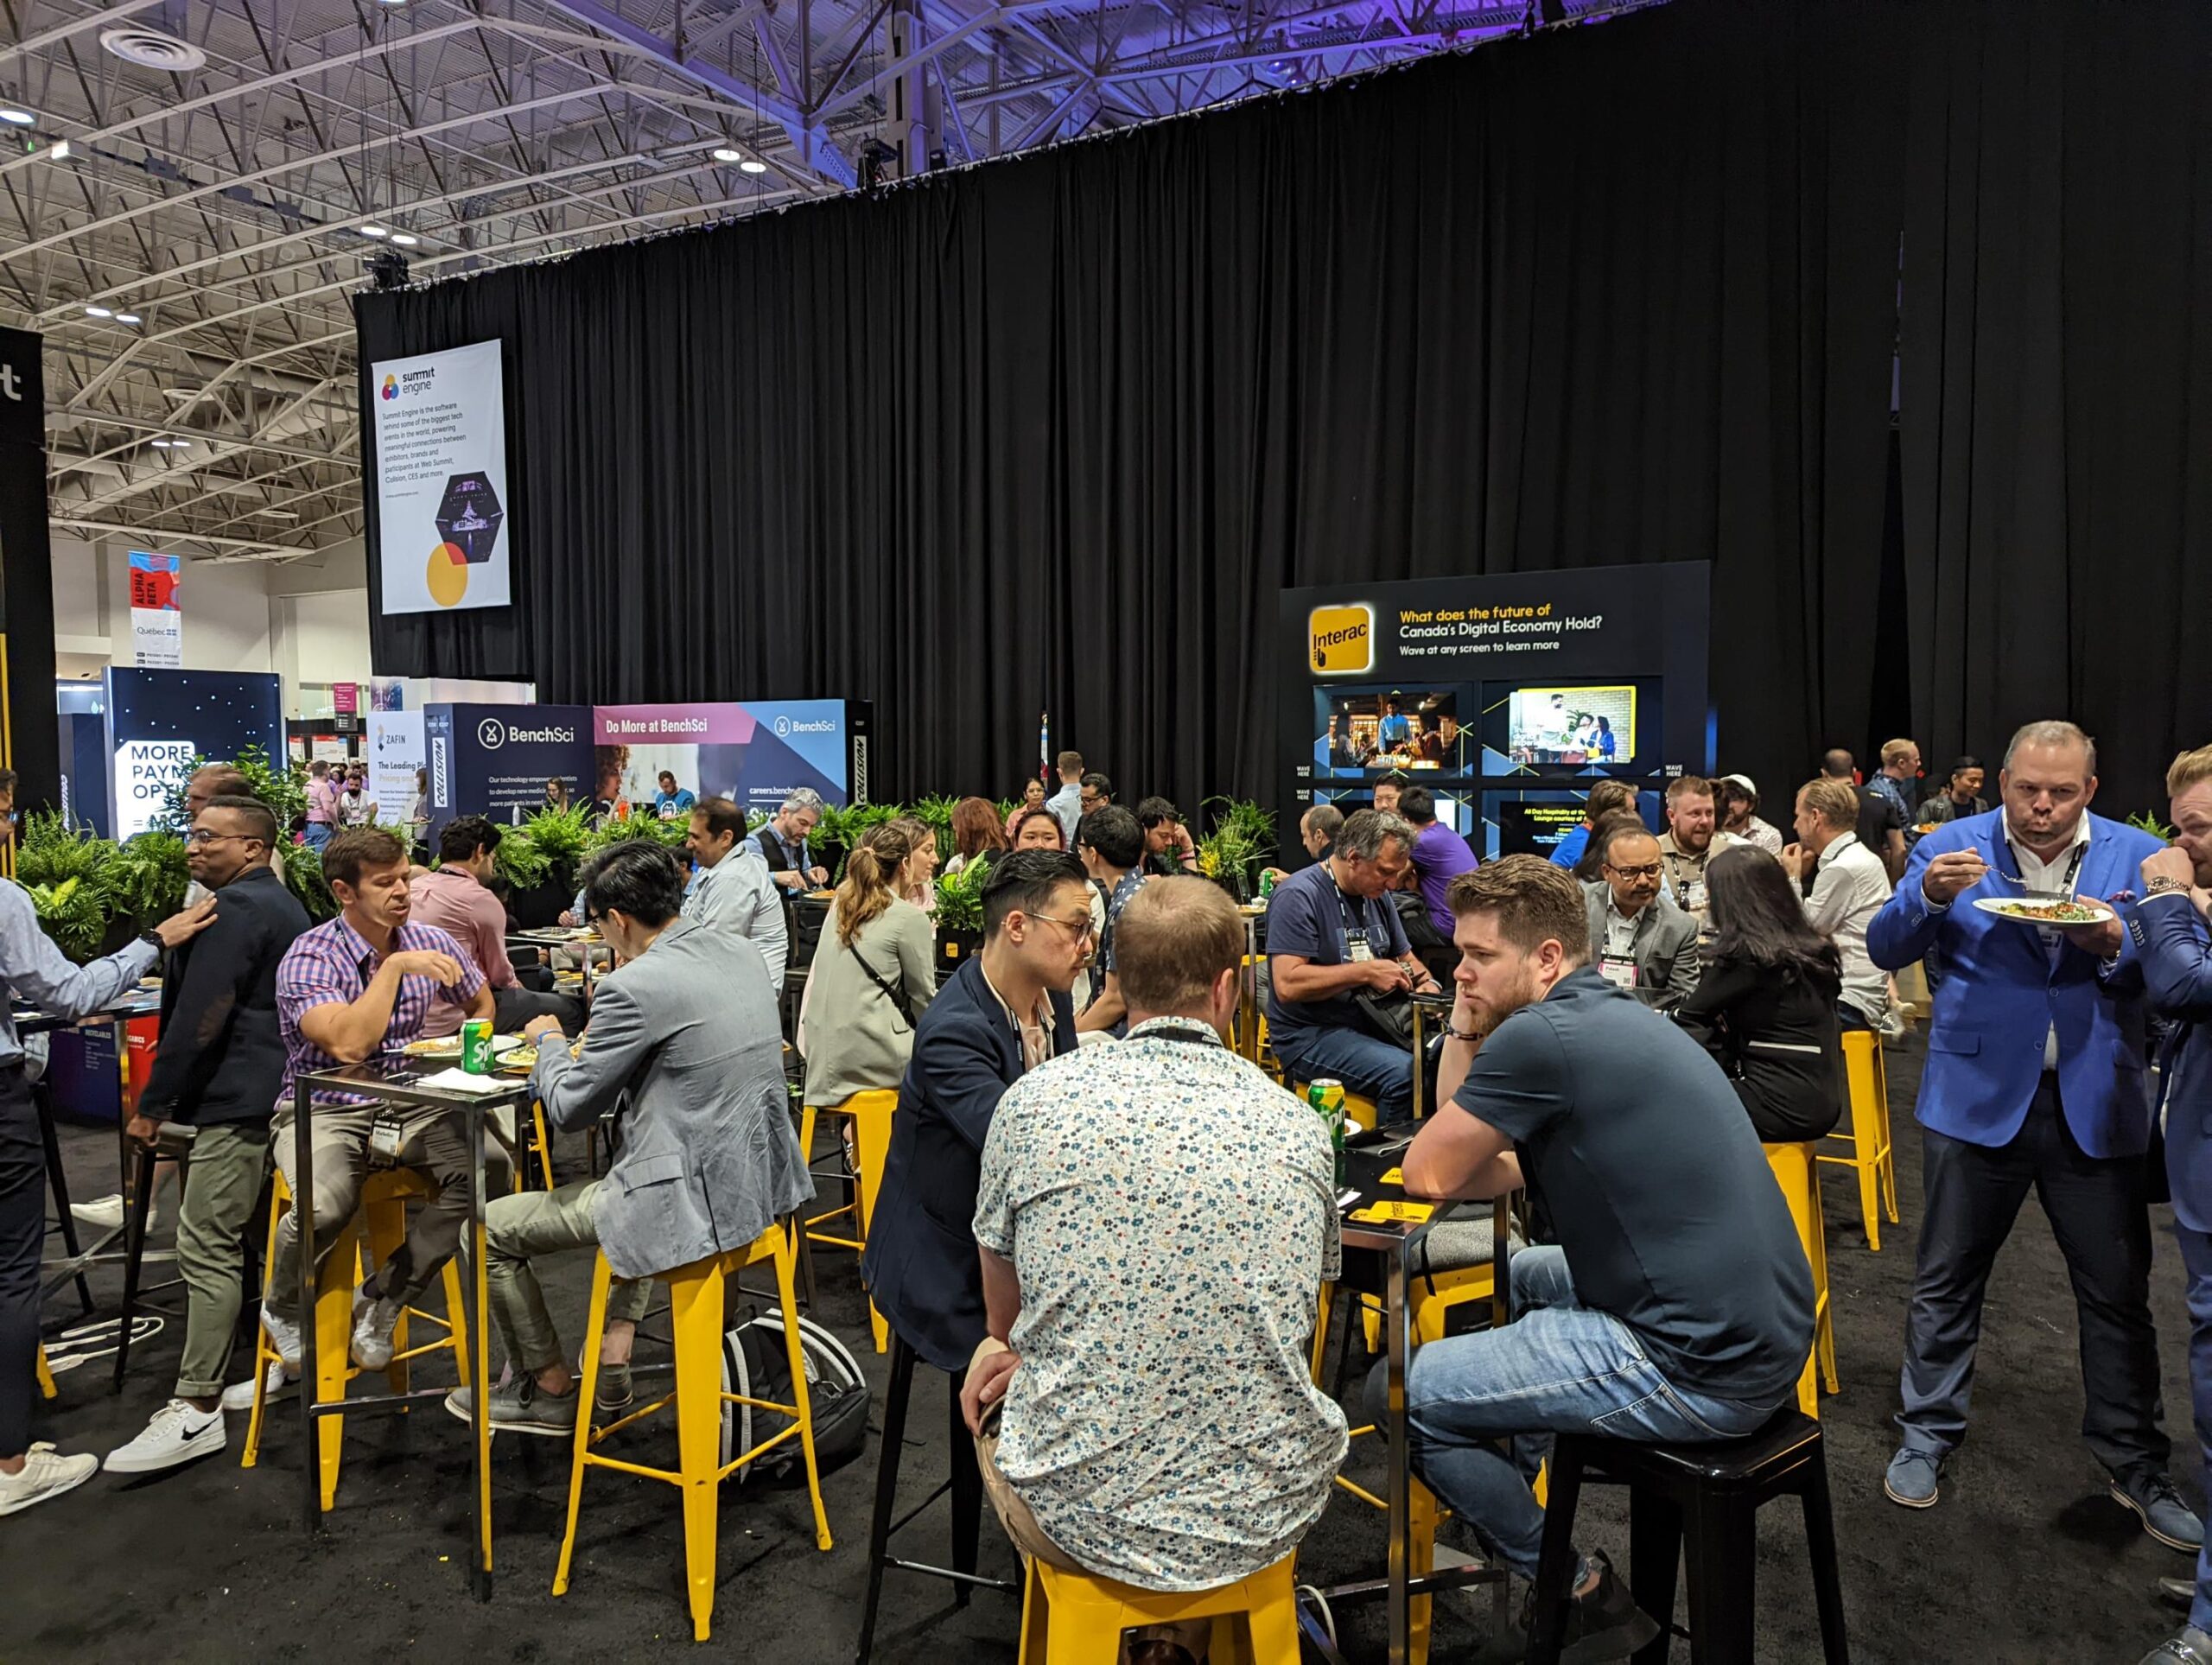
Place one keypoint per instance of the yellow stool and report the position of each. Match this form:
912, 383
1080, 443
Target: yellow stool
1076, 1619
871, 1113
1798, 1173
1872, 1157
542, 1143
46, 1387
384, 1194
696, 1311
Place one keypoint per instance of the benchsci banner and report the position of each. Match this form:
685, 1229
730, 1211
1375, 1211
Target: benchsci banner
395, 753
440, 437
755, 753
496, 759
158, 720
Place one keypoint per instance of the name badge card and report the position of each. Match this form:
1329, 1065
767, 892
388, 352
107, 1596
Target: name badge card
1618, 969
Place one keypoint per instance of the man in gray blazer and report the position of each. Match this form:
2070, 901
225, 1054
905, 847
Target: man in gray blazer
706, 1158
1638, 938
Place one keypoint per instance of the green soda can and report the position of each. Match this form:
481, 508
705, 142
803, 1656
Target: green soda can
1327, 1096
476, 1047
1267, 883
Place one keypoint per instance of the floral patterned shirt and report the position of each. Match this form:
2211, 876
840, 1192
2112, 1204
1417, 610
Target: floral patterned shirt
1170, 1213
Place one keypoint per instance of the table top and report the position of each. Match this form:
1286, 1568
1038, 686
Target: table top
401, 1085
555, 936
139, 1003
1363, 1172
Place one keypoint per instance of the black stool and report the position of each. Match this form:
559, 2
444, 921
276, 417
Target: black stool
1712, 1494
965, 1483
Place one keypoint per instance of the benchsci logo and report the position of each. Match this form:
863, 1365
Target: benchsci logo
1340, 641
492, 732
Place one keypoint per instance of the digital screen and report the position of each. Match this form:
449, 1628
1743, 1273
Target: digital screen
1572, 726
158, 720
1372, 731
1531, 828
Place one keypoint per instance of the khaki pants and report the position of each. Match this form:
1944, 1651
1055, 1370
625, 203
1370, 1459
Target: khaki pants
222, 1187
544, 1223
1026, 1536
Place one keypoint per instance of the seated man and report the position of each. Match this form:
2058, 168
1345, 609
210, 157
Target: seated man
705, 1160
1606, 797
1331, 930
1167, 847
453, 898
1851, 885
1317, 830
1677, 1304
355, 990
1124, 1450
734, 890
1003, 1013
1639, 940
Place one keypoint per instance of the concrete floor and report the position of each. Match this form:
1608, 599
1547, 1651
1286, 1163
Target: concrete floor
2023, 1560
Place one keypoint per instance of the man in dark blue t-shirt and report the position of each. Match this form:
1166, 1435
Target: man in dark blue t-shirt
1677, 1304
1333, 931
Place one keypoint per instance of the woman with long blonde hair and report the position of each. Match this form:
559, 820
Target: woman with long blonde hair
872, 976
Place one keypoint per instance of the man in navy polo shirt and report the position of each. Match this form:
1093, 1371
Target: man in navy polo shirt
1331, 932
1676, 1305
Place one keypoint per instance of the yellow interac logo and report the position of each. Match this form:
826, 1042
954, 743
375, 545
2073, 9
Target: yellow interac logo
1340, 639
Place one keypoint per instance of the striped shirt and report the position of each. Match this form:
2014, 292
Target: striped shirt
334, 964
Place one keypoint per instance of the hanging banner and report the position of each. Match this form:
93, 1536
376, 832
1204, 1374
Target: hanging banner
156, 621
396, 759
755, 752
345, 699
442, 479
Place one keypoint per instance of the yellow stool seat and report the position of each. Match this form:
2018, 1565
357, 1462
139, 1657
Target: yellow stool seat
1798, 1171
1872, 1156
871, 1115
1076, 1619
46, 1387
384, 1194
696, 1313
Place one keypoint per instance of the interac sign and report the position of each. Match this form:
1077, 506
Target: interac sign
1340, 641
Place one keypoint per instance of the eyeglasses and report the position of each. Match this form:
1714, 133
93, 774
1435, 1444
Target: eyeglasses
202, 835
1651, 871
1079, 929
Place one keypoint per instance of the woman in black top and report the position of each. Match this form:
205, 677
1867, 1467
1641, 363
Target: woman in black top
1765, 1007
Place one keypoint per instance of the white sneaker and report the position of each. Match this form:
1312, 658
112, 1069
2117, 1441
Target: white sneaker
46, 1473
373, 1323
102, 1213
239, 1396
283, 1336
178, 1433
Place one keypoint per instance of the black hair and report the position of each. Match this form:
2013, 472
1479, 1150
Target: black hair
1100, 785
1115, 833
1610, 826
1759, 918
1024, 880
1417, 804
721, 816
465, 834
260, 819
1153, 811
636, 877
1961, 764
1603, 727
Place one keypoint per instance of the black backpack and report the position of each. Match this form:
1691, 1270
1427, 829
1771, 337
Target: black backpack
753, 1364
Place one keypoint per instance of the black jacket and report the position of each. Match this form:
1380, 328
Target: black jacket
1777, 1038
221, 1057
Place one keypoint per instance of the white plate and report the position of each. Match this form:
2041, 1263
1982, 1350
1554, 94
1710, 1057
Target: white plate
2002, 907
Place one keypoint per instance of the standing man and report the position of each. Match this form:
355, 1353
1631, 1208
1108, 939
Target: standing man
1960, 797
1067, 804
1093, 792
1112, 848
1168, 849
781, 842
1693, 835
2035, 1080
218, 1071
735, 891
1880, 827
1850, 886
453, 898
2168, 929
1332, 933
1394, 733
209, 782
322, 804
1898, 780
1440, 853
32, 968
1639, 940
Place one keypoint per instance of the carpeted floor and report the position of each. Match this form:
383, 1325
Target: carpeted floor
2023, 1560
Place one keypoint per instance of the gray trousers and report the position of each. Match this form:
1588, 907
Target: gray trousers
532, 1222
222, 1187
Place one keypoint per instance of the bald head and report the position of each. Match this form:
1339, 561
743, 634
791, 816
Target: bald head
1177, 948
1838, 765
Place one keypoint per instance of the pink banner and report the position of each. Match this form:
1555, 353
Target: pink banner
718, 723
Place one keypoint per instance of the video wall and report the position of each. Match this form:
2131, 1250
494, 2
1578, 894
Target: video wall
1504, 695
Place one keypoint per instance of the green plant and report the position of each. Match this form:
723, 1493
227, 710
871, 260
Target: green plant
960, 897
303, 868
1243, 837
146, 878
935, 812
638, 824
70, 912
2151, 824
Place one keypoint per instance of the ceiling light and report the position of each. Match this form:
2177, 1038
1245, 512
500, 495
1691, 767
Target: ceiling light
283, 514
126, 317
99, 312
18, 118
750, 167
371, 231
725, 154
59, 152
405, 239
159, 445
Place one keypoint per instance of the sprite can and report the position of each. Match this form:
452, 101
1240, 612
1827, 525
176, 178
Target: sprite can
476, 1047
1267, 883
1327, 1096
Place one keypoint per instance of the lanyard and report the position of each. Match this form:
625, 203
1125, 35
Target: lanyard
2073, 868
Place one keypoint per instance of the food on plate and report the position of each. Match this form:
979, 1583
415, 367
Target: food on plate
2054, 914
518, 1060
436, 1046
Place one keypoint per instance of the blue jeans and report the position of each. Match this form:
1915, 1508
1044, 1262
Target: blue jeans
2197, 1258
1374, 1068
1557, 1368
318, 834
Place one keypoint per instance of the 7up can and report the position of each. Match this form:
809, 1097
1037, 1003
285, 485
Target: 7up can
1327, 1096
476, 1047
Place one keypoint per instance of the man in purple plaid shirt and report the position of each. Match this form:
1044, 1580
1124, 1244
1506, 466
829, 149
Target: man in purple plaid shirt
354, 991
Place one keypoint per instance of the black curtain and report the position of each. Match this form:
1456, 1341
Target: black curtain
1052, 434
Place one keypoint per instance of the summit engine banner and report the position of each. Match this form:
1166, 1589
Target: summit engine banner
441, 424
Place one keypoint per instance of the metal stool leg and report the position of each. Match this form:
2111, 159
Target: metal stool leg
967, 1493
58, 1182
1819, 1543
887, 1490
138, 1212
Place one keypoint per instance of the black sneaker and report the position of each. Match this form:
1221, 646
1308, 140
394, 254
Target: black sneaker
1604, 1624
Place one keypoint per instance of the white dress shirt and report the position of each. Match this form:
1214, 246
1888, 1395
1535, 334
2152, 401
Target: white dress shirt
737, 895
2052, 875
1850, 884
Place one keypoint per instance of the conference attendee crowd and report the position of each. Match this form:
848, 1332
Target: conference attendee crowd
1615, 1028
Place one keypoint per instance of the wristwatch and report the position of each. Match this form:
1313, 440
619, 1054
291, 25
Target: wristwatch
2162, 885
151, 938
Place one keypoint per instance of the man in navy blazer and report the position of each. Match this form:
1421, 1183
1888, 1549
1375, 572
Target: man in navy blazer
1006, 1010
2167, 926
2036, 1079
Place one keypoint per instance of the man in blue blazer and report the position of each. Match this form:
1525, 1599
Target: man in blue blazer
2167, 927
1006, 1010
2036, 1079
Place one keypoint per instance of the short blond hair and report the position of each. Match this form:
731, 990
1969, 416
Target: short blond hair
2188, 769
1835, 802
1896, 749
1174, 938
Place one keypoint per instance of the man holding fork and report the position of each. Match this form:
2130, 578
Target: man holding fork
2035, 1079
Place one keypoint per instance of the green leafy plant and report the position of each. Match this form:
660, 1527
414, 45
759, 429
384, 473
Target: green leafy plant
1242, 839
935, 812
70, 912
303, 870
2151, 824
639, 824
146, 878
960, 897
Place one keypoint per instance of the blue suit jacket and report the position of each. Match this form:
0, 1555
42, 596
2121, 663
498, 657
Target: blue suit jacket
921, 1267
2001, 993
2175, 952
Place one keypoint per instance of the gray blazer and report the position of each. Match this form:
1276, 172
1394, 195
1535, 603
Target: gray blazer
707, 1159
855, 1039
1664, 947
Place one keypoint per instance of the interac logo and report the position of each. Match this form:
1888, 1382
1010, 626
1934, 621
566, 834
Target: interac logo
1340, 641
